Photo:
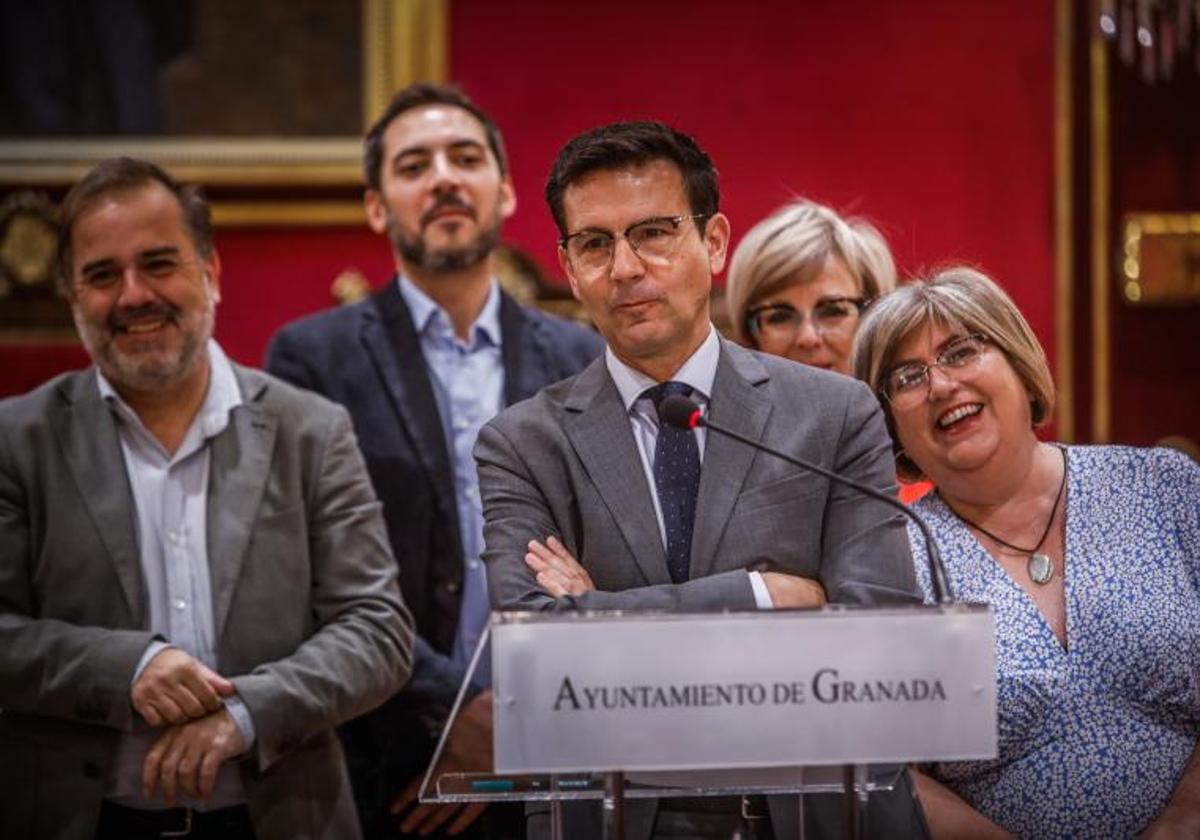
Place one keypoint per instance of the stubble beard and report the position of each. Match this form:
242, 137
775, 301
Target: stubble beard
414, 251
142, 365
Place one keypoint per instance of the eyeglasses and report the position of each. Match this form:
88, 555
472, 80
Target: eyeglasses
655, 241
780, 323
905, 385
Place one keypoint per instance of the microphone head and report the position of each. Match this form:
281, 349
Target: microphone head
680, 412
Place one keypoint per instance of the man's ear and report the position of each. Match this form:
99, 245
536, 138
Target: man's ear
716, 241
565, 264
377, 213
212, 274
508, 197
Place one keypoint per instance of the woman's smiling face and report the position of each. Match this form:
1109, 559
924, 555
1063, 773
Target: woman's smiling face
966, 417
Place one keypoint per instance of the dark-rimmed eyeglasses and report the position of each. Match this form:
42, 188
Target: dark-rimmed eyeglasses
779, 323
655, 241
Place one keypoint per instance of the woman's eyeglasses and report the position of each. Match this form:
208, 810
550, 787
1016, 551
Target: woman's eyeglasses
906, 385
780, 323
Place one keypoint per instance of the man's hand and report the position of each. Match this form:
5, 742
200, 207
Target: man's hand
175, 687
468, 750
792, 591
558, 573
189, 756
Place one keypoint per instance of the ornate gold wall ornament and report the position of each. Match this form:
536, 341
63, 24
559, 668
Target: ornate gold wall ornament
350, 287
31, 306
1160, 258
28, 243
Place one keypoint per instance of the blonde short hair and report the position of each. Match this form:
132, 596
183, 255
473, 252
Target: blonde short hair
959, 299
791, 246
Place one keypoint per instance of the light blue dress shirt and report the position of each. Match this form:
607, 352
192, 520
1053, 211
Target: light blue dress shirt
699, 371
170, 495
468, 383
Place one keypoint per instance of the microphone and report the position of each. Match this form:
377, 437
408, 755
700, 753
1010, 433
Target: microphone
683, 413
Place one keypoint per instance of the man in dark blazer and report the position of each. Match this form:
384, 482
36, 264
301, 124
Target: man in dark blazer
195, 582
590, 504
420, 366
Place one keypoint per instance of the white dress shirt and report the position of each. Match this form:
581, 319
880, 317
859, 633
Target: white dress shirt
698, 371
170, 495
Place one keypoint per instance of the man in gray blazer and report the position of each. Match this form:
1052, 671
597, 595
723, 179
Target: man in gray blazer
588, 504
195, 581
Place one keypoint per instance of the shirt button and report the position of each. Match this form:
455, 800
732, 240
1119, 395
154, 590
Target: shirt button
179, 604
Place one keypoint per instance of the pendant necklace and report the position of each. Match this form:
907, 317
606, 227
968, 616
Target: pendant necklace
1039, 566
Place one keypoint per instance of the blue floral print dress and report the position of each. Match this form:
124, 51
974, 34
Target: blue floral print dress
1092, 737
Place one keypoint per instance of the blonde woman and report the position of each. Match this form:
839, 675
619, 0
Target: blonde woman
800, 279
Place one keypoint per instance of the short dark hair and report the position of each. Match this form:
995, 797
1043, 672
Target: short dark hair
625, 144
415, 96
118, 175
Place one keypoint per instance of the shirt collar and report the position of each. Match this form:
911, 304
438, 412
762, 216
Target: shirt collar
698, 371
222, 397
428, 317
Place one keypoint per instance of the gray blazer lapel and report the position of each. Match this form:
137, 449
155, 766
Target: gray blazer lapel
239, 466
92, 448
598, 427
738, 404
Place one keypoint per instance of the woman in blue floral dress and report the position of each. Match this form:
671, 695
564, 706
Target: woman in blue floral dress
1090, 557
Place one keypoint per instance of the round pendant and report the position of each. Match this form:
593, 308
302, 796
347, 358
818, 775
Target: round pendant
1040, 568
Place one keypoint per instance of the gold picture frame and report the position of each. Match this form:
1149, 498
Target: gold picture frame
402, 41
1160, 261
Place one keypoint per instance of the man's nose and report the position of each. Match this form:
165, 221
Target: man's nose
135, 291
445, 174
626, 264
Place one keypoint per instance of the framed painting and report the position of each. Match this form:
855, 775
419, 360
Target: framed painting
274, 93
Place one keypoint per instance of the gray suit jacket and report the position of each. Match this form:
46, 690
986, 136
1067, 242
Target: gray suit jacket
308, 617
566, 463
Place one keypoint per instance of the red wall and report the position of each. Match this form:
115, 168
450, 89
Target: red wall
270, 277
934, 119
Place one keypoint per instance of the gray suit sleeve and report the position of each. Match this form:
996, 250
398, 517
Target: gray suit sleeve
517, 510
361, 650
49, 667
865, 552
435, 676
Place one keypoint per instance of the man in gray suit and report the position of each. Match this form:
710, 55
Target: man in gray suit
666, 519
195, 581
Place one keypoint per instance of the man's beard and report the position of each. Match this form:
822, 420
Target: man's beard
444, 260
144, 367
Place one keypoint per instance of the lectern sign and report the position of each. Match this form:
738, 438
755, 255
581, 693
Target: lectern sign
672, 692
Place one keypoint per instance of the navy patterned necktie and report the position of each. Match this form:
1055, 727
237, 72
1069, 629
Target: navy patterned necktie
677, 481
